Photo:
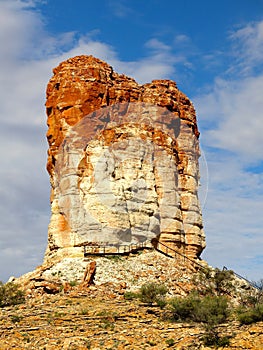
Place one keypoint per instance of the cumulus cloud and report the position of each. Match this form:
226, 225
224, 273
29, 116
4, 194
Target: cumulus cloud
232, 215
232, 112
248, 47
232, 137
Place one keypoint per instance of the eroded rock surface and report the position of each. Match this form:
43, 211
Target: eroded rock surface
123, 161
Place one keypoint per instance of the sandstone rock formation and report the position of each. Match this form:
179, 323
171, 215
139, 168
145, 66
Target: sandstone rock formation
123, 161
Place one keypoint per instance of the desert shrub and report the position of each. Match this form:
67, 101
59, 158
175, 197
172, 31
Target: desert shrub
259, 294
108, 319
15, 318
73, 283
131, 295
214, 281
259, 284
184, 309
161, 302
114, 258
170, 342
248, 315
209, 309
251, 309
153, 293
252, 296
10, 294
214, 339
223, 281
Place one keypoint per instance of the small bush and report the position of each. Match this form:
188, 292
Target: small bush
15, 318
114, 258
10, 294
107, 319
73, 283
210, 309
250, 315
152, 293
170, 342
161, 302
184, 309
214, 281
131, 295
84, 311
213, 339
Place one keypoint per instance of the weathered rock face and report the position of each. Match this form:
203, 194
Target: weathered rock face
122, 159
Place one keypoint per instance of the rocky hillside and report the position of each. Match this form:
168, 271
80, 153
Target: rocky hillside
99, 318
63, 310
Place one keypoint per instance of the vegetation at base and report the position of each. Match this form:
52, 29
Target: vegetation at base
208, 305
251, 308
131, 295
214, 339
248, 315
10, 294
15, 318
209, 309
214, 281
73, 283
153, 293
114, 257
149, 293
108, 319
170, 342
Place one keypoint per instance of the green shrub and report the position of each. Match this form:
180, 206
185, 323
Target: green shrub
184, 309
223, 280
161, 302
15, 318
10, 294
214, 281
170, 342
108, 319
250, 314
73, 283
209, 309
152, 293
131, 295
114, 258
213, 339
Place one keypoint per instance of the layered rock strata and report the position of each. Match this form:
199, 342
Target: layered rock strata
123, 161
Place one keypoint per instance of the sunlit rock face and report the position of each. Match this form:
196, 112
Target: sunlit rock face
122, 159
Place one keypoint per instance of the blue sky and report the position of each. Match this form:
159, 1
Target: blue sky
212, 49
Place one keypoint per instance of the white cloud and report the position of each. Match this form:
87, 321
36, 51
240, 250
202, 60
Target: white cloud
157, 45
232, 216
17, 21
248, 46
231, 124
120, 8
182, 39
235, 110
